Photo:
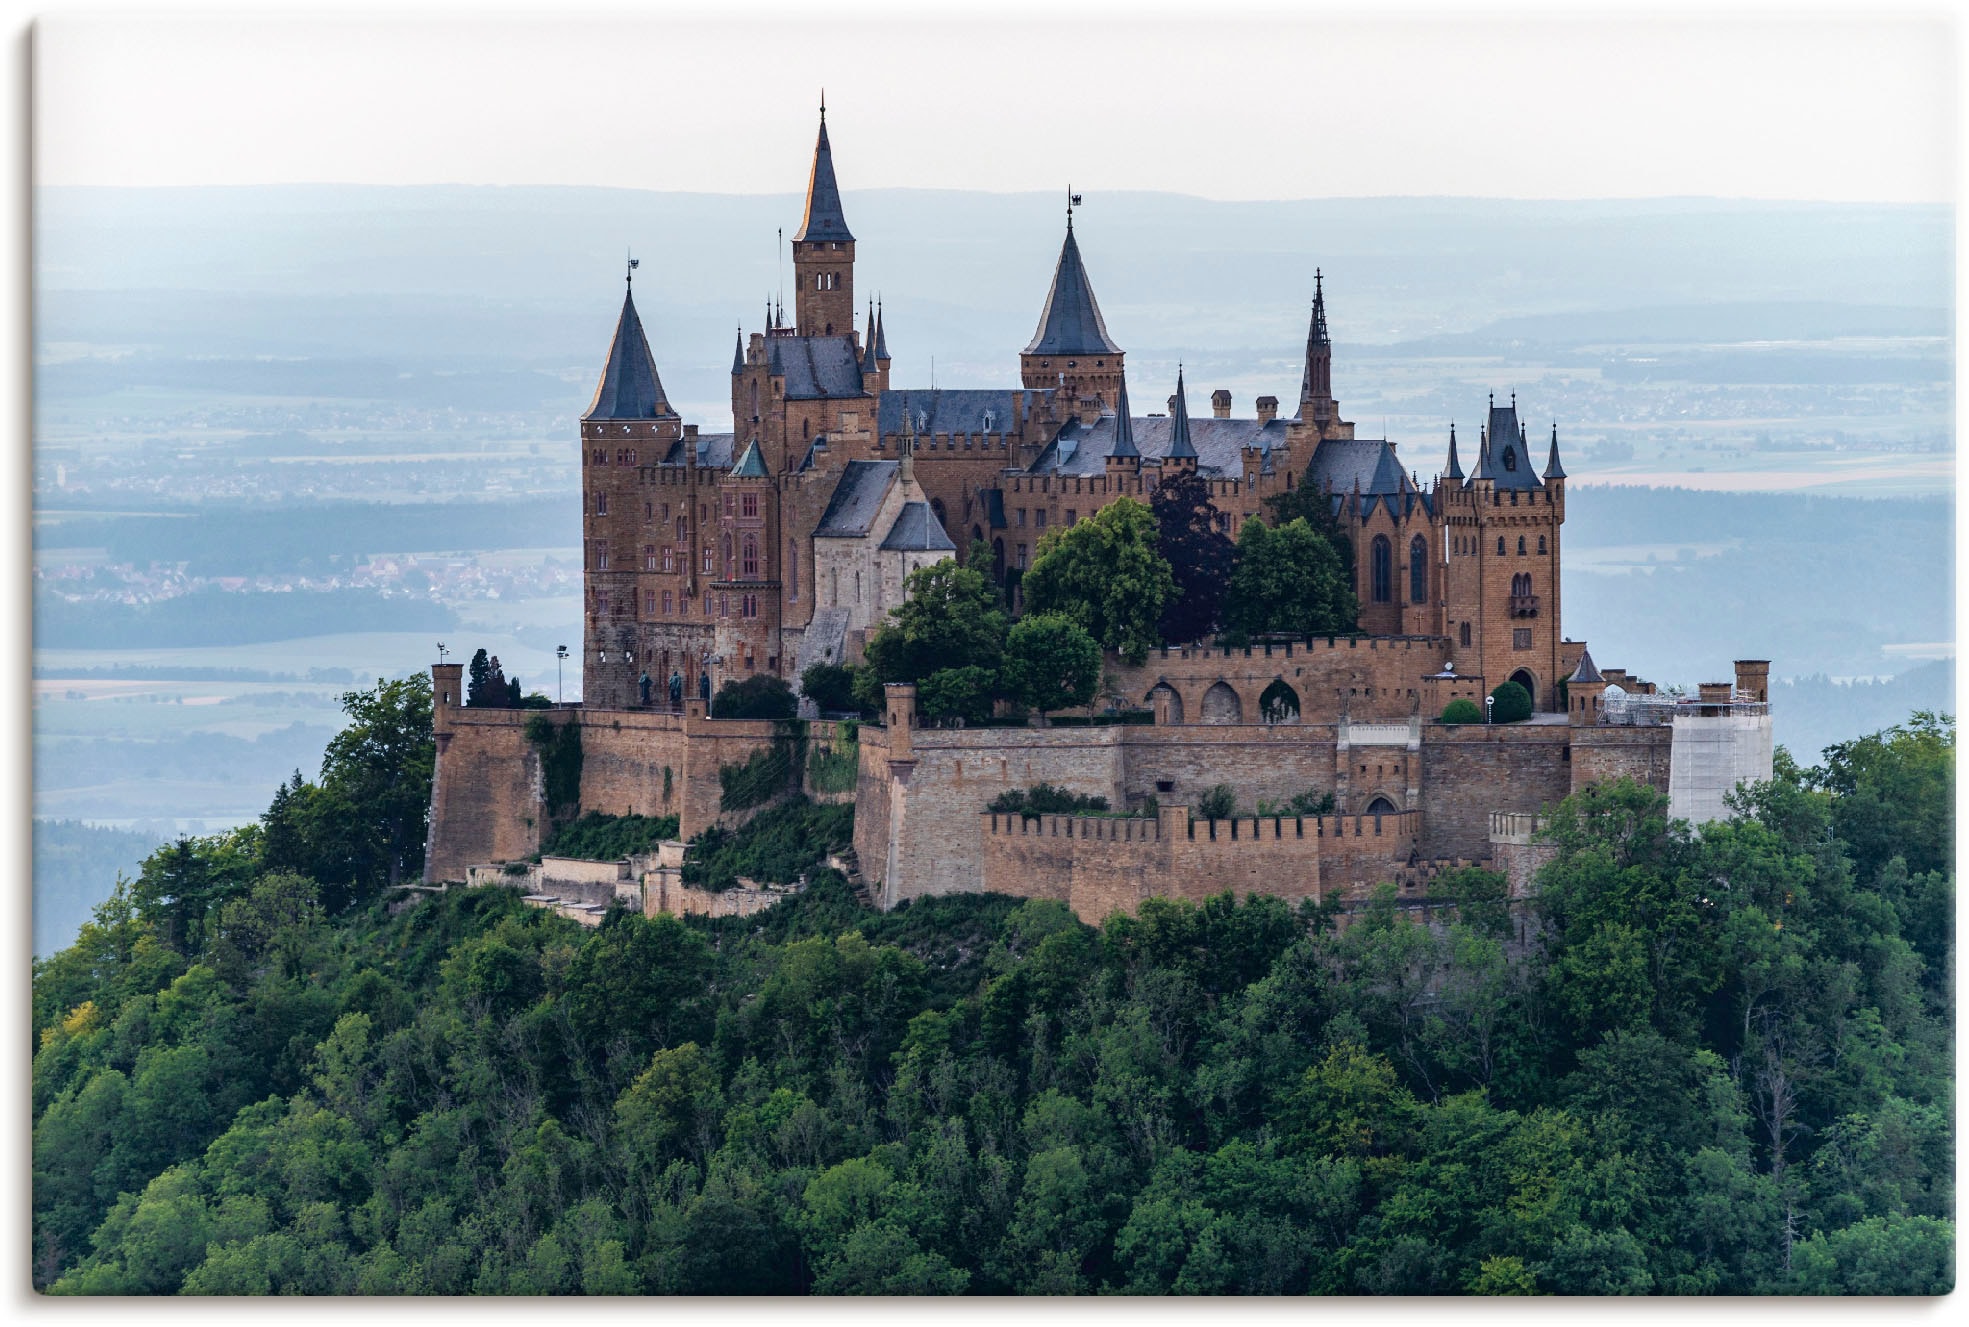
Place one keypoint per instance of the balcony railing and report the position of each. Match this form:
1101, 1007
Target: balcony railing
1524, 605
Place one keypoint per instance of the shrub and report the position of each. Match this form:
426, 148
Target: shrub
559, 747
1510, 703
1463, 711
760, 696
596, 837
1043, 799
1219, 803
830, 687
774, 847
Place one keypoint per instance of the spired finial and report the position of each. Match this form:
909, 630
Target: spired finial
1493, 400
1069, 207
1514, 398
629, 275
1316, 281
823, 103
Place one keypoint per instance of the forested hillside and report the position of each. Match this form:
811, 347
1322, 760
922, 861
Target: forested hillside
1726, 1068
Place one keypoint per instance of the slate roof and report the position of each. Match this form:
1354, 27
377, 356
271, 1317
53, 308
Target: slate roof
917, 530
1071, 324
824, 220
1455, 470
1504, 459
881, 334
953, 410
857, 497
751, 465
738, 354
1345, 463
629, 387
713, 449
1553, 470
816, 366
1124, 429
1082, 449
1586, 672
1179, 422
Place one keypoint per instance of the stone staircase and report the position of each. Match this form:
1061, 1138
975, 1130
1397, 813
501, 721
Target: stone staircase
849, 865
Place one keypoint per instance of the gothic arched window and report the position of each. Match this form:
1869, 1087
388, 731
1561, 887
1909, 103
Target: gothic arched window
1383, 570
728, 557
1541, 544
1466, 635
1418, 570
1500, 545
1521, 545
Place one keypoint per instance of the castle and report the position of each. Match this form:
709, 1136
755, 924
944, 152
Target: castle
713, 557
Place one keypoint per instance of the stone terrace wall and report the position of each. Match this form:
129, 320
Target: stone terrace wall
1471, 770
1372, 677
1270, 762
1602, 753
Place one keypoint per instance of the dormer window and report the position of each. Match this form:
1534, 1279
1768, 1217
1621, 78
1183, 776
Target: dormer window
1510, 458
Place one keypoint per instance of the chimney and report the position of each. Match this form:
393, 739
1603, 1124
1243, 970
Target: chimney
1713, 693
1754, 679
1220, 404
1267, 409
690, 433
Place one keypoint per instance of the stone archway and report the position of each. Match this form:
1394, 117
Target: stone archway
1221, 705
1175, 700
1278, 703
1524, 679
1381, 806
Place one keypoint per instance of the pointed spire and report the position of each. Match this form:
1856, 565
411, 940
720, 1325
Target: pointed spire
1179, 424
1124, 426
1071, 323
881, 336
1553, 470
824, 220
773, 365
629, 387
1586, 672
738, 353
1455, 470
868, 342
1317, 336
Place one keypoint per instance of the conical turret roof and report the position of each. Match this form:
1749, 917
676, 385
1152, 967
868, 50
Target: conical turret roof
1553, 470
1071, 324
1179, 424
751, 465
1586, 672
1124, 428
629, 387
824, 219
1455, 470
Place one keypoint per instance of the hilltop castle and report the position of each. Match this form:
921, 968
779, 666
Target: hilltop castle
712, 557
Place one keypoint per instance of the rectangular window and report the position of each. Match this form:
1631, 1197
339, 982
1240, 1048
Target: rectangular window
601, 504
1521, 638
707, 559
749, 505
1019, 518
649, 557
632, 456
728, 504
666, 603
1022, 557
649, 603
1039, 517
669, 559
724, 605
1072, 516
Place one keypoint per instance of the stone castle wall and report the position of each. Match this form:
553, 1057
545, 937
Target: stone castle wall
1099, 865
1362, 677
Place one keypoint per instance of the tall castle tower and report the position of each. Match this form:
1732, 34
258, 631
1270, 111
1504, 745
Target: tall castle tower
1072, 349
1317, 408
1501, 536
629, 425
824, 252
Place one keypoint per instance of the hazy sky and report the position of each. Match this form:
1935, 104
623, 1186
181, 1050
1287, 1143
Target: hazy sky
1219, 103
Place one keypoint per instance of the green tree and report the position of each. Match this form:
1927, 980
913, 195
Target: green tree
830, 687
1289, 581
1462, 711
1105, 574
760, 696
1051, 663
950, 619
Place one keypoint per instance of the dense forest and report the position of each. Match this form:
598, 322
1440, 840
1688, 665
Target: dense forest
1720, 1064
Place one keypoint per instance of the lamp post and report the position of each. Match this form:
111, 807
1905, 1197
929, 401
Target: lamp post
560, 657
442, 651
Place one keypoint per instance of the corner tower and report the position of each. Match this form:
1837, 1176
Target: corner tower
824, 252
1072, 348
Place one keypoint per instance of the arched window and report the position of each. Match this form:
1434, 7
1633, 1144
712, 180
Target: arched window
1521, 545
682, 534
1466, 635
1418, 570
728, 557
1500, 545
1383, 570
1541, 544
